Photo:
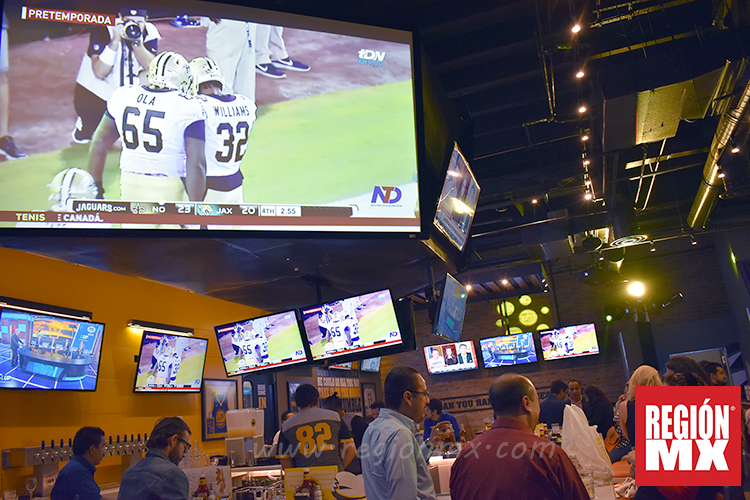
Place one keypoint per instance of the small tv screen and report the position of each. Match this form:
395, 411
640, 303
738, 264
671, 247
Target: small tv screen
508, 350
321, 137
458, 200
342, 366
170, 363
450, 317
448, 358
371, 365
45, 351
568, 342
264, 343
353, 325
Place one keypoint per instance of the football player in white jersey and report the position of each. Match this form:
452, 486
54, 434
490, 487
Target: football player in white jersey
181, 346
229, 119
261, 347
163, 136
161, 360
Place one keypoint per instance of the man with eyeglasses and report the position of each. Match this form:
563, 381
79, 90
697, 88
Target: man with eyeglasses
156, 476
394, 465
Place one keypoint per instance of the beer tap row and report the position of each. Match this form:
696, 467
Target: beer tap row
61, 451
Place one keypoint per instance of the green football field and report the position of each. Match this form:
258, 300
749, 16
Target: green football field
585, 342
375, 325
313, 150
281, 344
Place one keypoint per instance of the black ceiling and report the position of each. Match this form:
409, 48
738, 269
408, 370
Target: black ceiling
509, 70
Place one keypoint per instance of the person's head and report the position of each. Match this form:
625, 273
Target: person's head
207, 77
306, 396
574, 389
169, 70
406, 392
559, 389
715, 372
286, 416
595, 394
68, 185
449, 352
686, 366
375, 408
513, 395
171, 435
436, 353
433, 409
463, 349
89, 444
137, 16
334, 403
644, 375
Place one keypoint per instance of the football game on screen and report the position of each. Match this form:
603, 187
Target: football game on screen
261, 343
355, 324
40, 351
570, 341
170, 363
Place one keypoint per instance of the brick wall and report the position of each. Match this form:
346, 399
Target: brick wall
694, 272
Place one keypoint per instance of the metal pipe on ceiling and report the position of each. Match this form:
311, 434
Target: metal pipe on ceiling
711, 184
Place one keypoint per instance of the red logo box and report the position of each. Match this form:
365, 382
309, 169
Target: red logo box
688, 436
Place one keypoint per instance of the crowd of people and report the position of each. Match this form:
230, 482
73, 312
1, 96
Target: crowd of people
507, 461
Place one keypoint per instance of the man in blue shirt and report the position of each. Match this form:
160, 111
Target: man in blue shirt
553, 406
76, 479
156, 476
394, 466
434, 415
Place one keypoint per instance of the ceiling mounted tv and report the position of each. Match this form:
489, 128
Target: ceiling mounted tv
350, 328
508, 350
327, 144
568, 342
370, 365
46, 351
170, 363
458, 200
449, 358
264, 343
450, 315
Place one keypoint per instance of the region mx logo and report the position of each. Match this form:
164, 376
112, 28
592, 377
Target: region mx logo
387, 194
689, 436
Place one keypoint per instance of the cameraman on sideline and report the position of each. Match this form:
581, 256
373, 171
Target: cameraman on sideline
116, 56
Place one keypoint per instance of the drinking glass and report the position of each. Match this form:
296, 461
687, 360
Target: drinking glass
31, 486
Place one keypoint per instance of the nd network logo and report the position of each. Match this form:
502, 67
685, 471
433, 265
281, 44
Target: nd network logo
371, 57
690, 436
386, 194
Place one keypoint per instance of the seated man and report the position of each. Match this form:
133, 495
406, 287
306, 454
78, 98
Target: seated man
157, 476
76, 479
552, 408
509, 460
434, 414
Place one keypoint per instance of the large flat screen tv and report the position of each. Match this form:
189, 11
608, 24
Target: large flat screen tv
170, 363
568, 342
264, 343
458, 200
352, 326
508, 350
450, 316
448, 358
45, 351
331, 146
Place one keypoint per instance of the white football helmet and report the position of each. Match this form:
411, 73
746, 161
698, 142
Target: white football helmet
169, 70
71, 184
205, 69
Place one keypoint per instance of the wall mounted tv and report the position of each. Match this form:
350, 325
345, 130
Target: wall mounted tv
45, 351
346, 329
170, 363
264, 343
458, 200
331, 147
568, 342
450, 315
508, 350
370, 365
448, 358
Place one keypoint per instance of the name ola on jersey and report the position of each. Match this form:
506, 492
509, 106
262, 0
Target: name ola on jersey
672, 431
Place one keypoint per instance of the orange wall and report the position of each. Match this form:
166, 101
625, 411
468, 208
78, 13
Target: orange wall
28, 417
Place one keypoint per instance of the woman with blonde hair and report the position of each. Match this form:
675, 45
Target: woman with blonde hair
644, 375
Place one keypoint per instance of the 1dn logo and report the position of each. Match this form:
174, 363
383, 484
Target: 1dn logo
689, 436
386, 194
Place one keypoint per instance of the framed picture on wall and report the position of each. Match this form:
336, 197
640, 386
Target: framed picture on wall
369, 396
292, 387
217, 397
